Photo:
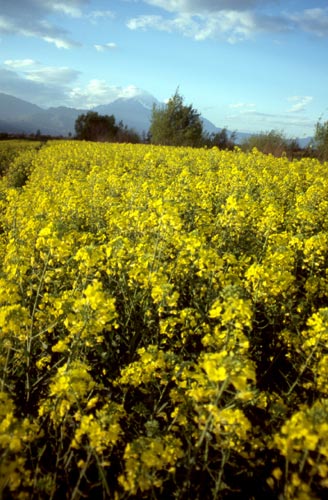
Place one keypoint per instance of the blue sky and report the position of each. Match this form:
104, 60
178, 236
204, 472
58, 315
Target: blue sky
249, 65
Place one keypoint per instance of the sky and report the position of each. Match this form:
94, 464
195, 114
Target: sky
248, 65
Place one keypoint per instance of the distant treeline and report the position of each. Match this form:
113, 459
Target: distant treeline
176, 124
5, 136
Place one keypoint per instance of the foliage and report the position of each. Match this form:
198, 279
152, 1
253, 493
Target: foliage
164, 325
16, 160
126, 134
221, 139
103, 128
176, 124
94, 127
321, 140
272, 142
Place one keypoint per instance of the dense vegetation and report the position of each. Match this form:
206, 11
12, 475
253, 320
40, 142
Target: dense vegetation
179, 124
16, 159
321, 140
176, 124
103, 128
163, 324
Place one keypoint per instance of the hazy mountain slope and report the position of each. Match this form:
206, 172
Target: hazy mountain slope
19, 116
57, 121
130, 111
12, 108
22, 116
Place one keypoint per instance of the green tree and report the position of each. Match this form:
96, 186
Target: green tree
222, 139
176, 124
272, 142
94, 127
321, 140
126, 134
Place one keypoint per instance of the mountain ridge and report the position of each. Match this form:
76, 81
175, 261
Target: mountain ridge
22, 117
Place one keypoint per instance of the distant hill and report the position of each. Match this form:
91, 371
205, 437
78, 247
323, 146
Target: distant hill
19, 116
12, 108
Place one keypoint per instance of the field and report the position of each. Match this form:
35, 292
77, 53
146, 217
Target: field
163, 324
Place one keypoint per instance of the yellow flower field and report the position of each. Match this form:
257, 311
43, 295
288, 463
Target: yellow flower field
163, 324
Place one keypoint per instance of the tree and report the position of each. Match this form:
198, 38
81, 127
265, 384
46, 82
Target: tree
321, 140
272, 142
176, 124
94, 127
126, 134
221, 139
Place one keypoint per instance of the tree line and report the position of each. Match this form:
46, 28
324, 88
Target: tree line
174, 124
179, 124
103, 128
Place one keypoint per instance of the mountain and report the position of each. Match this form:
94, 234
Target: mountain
57, 121
13, 108
133, 112
18, 116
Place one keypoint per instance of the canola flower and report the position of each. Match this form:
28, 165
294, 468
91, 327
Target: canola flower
163, 323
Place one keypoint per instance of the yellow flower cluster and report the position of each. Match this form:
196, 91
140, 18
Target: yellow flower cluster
102, 429
144, 458
15, 437
163, 323
303, 440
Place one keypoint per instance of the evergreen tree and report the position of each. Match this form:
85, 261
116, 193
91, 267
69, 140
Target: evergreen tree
176, 124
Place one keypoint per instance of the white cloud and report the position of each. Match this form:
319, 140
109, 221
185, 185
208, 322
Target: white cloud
98, 92
34, 71
300, 103
69, 10
295, 121
229, 25
43, 85
60, 43
249, 120
129, 91
57, 86
203, 6
105, 46
31, 18
314, 21
52, 75
232, 20
37, 92
149, 21
5, 25
20, 63
97, 15
183, 24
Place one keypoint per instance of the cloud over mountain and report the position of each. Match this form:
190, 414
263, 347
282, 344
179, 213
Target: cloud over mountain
31, 80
